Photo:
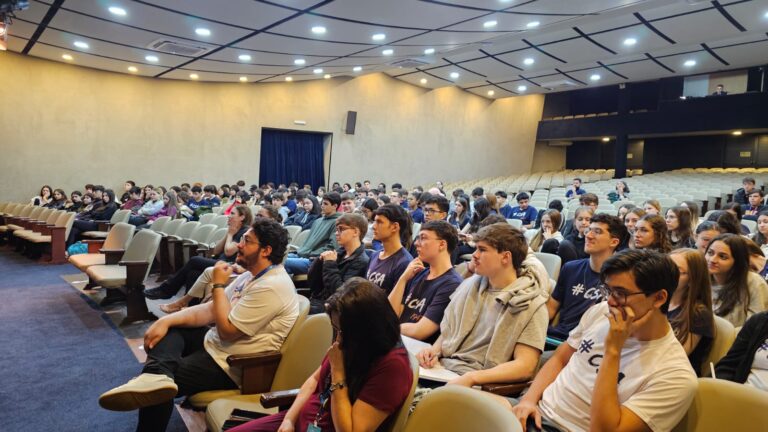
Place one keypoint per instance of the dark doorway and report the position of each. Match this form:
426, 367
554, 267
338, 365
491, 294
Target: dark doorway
292, 156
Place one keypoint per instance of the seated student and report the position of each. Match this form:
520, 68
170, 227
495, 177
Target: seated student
475, 195
134, 200
747, 360
241, 197
695, 213
276, 199
622, 369
333, 268
321, 237
367, 208
150, 208
504, 208
494, 328
75, 202
187, 350
171, 208
572, 247
435, 207
678, 220
46, 194
305, 215
129, 184
755, 205
553, 205
197, 273
624, 209
523, 211
196, 204
459, 217
417, 215
102, 211
347, 202
396, 196
146, 191
587, 200
209, 194
58, 201
761, 235
466, 244
620, 193
631, 218
366, 374
422, 293
726, 222
575, 191
392, 227
651, 233
652, 207
736, 210
86, 206
578, 287
550, 222
742, 194
737, 293
289, 197
690, 308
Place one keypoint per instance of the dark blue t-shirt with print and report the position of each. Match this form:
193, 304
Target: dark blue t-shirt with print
386, 272
428, 298
527, 216
577, 290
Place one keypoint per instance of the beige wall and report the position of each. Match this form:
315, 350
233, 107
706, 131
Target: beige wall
66, 125
548, 158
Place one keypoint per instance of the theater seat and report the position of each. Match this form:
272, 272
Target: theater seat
104, 226
118, 240
725, 334
721, 405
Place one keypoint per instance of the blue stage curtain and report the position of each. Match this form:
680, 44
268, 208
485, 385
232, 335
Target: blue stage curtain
291, 157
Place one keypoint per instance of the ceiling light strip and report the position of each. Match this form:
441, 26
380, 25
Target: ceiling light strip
525, 41
652, 28
52, 10
611, 70
653, 59
587, 37
714, 54
728, 16
570, 77
499, 60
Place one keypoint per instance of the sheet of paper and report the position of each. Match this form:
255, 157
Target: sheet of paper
437, 373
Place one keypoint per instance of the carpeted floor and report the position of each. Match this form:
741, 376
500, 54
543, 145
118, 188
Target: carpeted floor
58, 353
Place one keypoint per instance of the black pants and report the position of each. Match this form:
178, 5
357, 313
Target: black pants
79, 227
181, 356
189, 273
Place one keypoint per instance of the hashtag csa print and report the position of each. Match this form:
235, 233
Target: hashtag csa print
589, 294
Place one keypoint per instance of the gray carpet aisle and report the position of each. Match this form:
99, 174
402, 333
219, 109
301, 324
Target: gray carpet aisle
58, 353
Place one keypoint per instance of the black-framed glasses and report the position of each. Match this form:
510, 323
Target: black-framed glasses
619, 295
431, 211
341, 228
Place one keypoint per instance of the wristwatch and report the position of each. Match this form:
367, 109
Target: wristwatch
219, 286
336, 386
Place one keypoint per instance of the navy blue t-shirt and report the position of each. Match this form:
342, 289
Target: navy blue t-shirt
576, 290
417, 215
428, 298
386, 272
506, 211
527, 216
579, 191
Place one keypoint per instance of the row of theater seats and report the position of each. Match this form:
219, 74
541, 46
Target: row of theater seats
36, 231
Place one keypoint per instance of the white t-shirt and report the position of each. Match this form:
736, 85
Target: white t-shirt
758, 377
656, 381
264, 310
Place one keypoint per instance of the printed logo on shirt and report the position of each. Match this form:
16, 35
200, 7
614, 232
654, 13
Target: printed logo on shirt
416, 304
589, 294
377, 278
595, 361
586, 346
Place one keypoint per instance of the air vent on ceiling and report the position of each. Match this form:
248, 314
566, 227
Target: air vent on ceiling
559, 84
560, 143
409, 63
175, 47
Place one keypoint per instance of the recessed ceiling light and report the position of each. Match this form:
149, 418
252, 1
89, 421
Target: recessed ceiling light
357, 69
194, 76
388, 52
522, 88
423, 80
533, 24
299, 62
454, 75
202, 31
379, 37
132, 69
737, 133
429, 51
289, 79
327, 76
491, 92
318, 30
689, 63
81, 44
489, 24
318, 71
243, 79
594, 77
529, 61
66, 57
244, 57
606, 139
630, 41
151, 58
766, 15
114, 10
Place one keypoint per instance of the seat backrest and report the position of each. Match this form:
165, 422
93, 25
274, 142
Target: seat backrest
186, 230
721, 405
725, 334
551, 262
36, 212
752, 225
206, 218
220, 221
143, 247
66, 220
51, 219
303, 349
456, 408
159, 223
25, 211
396, 422
416, 229
293, 231
216, 237
43, 215
202, 233
119, 236
120, 216
301, 238
517, 223
173, 226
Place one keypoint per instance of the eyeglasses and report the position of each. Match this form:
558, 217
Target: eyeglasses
431, 211
618, 295
596, 231
248, 241
341, 228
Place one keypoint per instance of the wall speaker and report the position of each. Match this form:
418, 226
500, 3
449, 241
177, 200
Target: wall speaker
349, 129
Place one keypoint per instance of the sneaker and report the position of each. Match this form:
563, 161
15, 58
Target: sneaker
161, 292
145, 390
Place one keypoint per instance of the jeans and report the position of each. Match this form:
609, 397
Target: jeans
79, 227
189, 273
181, 356
294, 264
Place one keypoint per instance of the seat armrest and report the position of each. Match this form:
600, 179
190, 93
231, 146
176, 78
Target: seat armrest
507, 389
281, 398
94, 246
131, 263
112, 256
258, 370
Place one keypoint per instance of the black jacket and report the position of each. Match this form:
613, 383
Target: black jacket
737, 364
741, 196
325, 277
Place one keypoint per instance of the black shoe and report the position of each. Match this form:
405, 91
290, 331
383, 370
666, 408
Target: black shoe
161, 292
113, 296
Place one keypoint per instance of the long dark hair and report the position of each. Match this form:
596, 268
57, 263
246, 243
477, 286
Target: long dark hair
735, 291
482, 210
683, 231
696, 296
760, 239
364, 340
661, 241
465, 205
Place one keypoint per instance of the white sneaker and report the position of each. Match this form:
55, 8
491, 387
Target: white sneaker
145, 390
